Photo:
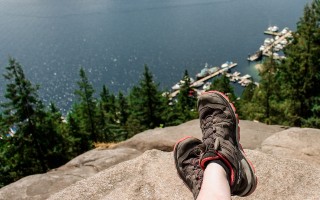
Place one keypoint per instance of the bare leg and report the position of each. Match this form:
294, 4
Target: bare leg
215, 185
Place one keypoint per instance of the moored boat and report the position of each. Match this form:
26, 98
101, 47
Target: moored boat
204, 72
273, 28
226, 64
256, 56
213, 70
206, 86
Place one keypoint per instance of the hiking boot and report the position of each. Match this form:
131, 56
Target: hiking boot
219, 125
186, 155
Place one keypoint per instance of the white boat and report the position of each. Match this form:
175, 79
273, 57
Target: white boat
279, 46
285, 31
246, 76
284, 42
256, 56
191, 80
204, 72
273, 28
262, 47
213, 70
267, 41
246, 82
236, 73
226, 64
233, 79
206, 86
177, 85
275, 55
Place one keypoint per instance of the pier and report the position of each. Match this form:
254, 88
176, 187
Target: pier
266, 51
267, 48
194, 84
272, 33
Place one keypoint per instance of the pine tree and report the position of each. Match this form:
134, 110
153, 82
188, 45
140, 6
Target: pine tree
79, 139
51, 125
222, 84
136, 114
145, 102
87, 106
35, 140
106, 116
173, 115
186, 100
268, 96
246, 102
299, 74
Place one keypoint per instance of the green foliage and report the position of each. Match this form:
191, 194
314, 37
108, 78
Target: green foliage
145, 104
289, 91
172, 114
246, 102
299, 74
36, 144
87, 106
186, 100
107, 119
222, 84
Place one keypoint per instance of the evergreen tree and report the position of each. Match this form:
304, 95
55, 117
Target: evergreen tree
50, 124
268, 97
172, 110
222, 84
79, 139
186, 100
246, 102
145, 103
136, 114
34, 145
299, 73
87, 106
122, 107
106, 115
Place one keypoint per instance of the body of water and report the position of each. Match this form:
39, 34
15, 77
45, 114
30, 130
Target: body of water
113, 39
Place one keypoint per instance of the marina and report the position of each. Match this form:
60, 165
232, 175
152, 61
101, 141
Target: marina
270, 46
224, 68
268, 51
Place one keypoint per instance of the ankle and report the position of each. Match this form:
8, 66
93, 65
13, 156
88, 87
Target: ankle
223, 166
215, 183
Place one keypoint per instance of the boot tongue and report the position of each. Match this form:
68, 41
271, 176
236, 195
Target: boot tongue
206, 157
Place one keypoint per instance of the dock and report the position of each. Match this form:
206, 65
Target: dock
266, 51
272, 33
173, 94
256, 56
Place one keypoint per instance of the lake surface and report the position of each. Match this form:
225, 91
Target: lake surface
113, 39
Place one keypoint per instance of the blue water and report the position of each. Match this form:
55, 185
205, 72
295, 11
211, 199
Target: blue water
113, 39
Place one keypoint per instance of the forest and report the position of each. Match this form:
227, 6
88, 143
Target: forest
35, 137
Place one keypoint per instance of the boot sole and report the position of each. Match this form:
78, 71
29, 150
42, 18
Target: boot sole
175, 155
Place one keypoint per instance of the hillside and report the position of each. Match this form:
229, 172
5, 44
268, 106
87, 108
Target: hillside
286, 159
